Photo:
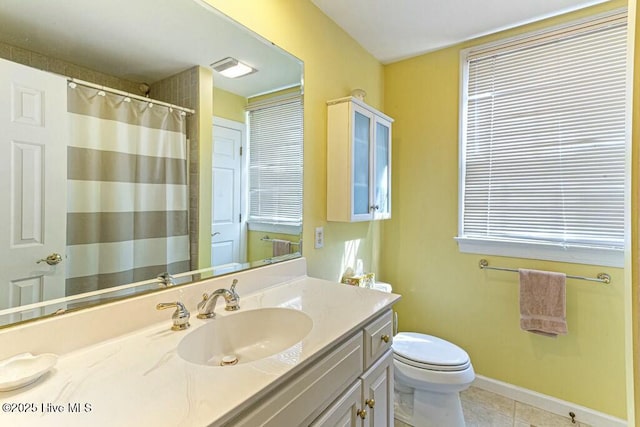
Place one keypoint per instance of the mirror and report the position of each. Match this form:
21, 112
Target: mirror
208, 193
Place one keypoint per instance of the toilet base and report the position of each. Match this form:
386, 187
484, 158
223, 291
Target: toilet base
428, 409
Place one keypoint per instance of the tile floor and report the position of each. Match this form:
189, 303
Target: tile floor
485, 409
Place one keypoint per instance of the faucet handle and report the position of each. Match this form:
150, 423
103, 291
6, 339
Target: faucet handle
180, 317
233, 299
233, 286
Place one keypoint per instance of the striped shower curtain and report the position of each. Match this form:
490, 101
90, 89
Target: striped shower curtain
127, 217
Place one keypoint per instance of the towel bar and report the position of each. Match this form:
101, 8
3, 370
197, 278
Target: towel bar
602, 277
269, 239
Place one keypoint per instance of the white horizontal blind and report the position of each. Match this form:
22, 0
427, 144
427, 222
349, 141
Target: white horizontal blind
275, 163
543, 138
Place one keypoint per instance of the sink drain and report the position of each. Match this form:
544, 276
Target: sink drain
228, 360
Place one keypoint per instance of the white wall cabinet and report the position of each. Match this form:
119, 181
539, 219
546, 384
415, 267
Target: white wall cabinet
352, 385
358, 162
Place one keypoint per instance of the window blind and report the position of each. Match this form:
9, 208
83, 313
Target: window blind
543, 137
275, 162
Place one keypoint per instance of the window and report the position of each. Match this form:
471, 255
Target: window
275, 164
543, 130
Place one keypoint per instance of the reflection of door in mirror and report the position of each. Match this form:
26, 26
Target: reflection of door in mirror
226, 215
33, 171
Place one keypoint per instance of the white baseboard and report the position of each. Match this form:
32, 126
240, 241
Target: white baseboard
548, 403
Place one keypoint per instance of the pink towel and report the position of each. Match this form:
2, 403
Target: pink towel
542, 302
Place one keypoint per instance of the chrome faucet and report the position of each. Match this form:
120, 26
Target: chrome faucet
208, 303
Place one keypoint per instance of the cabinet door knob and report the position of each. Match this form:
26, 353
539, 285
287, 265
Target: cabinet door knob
370, 403
385, 338
362, 413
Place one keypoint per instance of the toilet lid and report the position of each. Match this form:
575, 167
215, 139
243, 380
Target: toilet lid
428, 352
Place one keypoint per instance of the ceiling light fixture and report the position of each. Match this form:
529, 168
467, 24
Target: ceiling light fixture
232, 68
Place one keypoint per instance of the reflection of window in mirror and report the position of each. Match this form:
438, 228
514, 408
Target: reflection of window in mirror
275, 167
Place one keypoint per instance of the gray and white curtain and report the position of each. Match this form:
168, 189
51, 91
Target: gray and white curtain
127, 217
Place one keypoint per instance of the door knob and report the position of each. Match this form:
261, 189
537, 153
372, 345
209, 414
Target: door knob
52, 259
215, 234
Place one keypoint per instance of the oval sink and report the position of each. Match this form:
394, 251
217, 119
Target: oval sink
245, 336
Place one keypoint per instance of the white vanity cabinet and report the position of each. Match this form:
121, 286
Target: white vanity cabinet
352, 385
367, 403
358, 162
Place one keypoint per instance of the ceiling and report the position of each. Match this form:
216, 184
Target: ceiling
141, 45
392, 30
146, 40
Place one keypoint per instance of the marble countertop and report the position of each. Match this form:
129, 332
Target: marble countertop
139, 379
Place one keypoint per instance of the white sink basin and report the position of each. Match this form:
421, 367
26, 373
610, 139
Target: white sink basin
245, 336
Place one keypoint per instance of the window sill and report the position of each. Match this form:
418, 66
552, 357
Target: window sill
275, 228
608, 257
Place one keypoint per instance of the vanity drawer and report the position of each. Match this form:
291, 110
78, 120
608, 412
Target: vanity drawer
378, 337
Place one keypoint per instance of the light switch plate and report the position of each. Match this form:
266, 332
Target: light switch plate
319, 240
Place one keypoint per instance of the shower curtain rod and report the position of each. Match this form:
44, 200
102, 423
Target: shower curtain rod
130, 95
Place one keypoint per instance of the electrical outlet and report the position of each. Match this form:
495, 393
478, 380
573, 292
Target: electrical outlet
319, 240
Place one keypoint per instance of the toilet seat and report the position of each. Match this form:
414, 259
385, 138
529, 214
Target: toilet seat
429, 352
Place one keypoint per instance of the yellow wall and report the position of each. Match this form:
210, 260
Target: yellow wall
229, 105
444, 291
334, 65
292, 91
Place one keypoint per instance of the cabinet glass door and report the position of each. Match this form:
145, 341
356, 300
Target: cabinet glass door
361, 141
382, 177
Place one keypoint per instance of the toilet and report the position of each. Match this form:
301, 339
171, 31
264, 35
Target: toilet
429, 374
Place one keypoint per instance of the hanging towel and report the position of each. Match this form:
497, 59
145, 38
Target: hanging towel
542, 302
281, 247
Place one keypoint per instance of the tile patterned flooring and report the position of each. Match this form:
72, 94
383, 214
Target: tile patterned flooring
485, 409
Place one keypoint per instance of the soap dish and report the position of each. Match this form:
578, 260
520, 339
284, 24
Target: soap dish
23, 369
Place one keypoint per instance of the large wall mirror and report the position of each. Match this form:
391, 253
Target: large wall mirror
131, 159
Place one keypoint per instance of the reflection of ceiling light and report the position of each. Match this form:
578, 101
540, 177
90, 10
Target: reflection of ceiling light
232, 68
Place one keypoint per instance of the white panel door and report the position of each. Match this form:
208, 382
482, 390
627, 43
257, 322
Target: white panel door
226, 194
33, 171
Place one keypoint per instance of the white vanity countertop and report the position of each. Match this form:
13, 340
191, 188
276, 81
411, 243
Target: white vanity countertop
139, 379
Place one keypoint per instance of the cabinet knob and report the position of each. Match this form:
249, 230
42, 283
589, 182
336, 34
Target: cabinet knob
370, 403
385, 338
362, 413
